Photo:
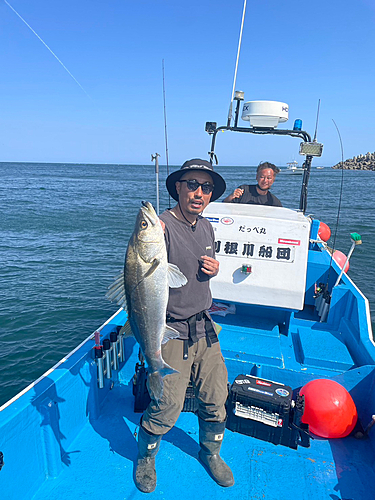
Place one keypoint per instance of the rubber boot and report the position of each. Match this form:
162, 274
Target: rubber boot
145, 474
210, 439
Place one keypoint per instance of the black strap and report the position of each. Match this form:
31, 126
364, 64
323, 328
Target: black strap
185, 354
192, 322
211, 336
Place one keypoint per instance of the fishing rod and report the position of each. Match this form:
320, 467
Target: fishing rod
316, 122
356, 239
165, 132
340, 196
322, 295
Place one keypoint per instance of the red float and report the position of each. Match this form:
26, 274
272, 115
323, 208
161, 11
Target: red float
340, 258
330, 411
324, 232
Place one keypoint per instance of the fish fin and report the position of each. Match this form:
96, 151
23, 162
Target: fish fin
155, 382
153, 267
126, 330
175, 277
170, 333
155, 386
167, 370
116, 291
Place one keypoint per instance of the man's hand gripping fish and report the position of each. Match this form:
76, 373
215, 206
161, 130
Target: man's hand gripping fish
144, 288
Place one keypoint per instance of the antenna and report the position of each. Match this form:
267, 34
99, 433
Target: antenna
235, 71
317, 119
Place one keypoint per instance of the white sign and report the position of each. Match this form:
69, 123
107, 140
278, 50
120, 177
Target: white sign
262, 253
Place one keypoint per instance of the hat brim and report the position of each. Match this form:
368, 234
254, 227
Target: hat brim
219, 182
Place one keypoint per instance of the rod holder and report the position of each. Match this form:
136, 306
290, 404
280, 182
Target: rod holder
321, 306
113, 338
107, 353
318, 302
99, 362
120, 340
121, 348
324, 313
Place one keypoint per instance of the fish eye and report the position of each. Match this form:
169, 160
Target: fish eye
143, 224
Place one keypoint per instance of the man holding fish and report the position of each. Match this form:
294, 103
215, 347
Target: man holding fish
190, 349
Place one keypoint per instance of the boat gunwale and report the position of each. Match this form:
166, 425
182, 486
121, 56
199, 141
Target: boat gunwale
346, 277
59, 363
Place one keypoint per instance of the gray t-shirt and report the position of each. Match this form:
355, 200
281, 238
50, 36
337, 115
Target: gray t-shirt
185, 248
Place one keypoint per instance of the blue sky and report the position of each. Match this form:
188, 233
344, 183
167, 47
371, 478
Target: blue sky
291, 52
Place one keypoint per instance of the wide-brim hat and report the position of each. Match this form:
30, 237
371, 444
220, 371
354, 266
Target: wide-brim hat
199, 165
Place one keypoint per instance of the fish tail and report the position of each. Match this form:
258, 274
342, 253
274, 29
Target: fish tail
155, 382
167, 370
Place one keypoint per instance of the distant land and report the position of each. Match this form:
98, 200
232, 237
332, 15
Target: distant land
360, 162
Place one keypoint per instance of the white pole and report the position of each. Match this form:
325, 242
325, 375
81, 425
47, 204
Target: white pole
346, 261
238, 56
155, 157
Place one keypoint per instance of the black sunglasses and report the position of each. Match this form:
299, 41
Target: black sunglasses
193, 185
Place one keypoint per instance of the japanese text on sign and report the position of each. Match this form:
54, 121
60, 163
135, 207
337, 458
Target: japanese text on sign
255, 229
255, 250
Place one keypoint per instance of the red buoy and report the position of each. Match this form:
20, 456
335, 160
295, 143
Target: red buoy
330, 411
340, 258
324, 232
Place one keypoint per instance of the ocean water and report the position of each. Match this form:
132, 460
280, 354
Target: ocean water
63, 234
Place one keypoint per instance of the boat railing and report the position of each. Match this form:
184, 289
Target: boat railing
308, 148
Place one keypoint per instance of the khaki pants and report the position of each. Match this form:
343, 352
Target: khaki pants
207, 369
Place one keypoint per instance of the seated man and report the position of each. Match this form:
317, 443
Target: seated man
258, 194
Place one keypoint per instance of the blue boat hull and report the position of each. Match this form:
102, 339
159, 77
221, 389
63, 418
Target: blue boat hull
64, 437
